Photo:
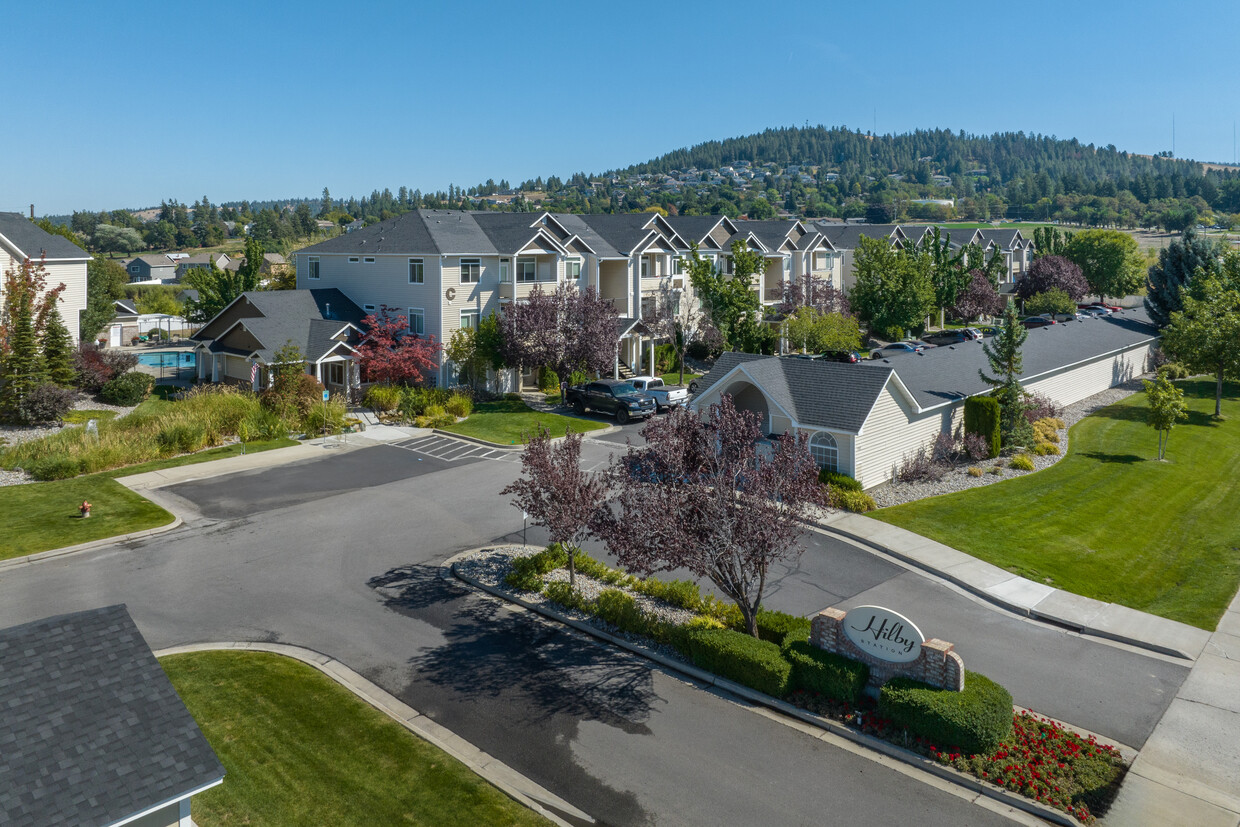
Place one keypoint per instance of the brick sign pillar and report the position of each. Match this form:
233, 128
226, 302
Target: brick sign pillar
937, 664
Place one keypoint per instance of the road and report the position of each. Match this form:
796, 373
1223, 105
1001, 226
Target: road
341, 555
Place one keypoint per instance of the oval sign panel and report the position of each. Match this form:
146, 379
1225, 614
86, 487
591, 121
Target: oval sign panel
883, 633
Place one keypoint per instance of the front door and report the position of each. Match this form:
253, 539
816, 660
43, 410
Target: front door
114, 335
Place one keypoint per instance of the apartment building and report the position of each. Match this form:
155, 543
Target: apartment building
63, 262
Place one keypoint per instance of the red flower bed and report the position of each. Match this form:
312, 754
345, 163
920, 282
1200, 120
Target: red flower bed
1042, 760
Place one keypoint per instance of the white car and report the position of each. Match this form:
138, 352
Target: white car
665, 396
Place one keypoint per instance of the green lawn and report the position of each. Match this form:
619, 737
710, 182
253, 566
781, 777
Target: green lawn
1108, 521
674, 378
44, 515
507, 421
301, 750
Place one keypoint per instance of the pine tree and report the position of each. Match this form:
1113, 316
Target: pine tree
21, 364
57, 350
1003, 353
1177, 264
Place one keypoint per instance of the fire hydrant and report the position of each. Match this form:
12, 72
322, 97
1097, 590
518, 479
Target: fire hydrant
85, 509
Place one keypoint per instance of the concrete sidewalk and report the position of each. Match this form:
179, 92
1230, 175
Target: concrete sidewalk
1020, 595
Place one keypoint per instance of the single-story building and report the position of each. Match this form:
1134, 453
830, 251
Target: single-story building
91, 730
864, 419
240, 344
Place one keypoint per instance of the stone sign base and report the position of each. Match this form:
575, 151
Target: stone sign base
938, 664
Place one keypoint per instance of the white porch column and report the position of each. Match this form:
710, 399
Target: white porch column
215, 367
202, 367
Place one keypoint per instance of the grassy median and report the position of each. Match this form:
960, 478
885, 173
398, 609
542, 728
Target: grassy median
301, 750
508, 421
1109, 521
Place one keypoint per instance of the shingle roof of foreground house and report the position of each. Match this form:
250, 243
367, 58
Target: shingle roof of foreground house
34, 241
310, 319
91, 730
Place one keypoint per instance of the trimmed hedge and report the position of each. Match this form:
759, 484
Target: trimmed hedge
778, 627
829, 674
838, 481
128, 388
981, 417
974, 721
736, 656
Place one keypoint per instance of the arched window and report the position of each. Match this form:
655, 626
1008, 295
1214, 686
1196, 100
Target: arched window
825, 452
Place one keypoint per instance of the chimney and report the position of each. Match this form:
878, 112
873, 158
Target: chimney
32, 212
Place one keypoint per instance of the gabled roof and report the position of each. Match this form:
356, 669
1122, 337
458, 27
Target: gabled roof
694, 228
300, 316
33, 242
817, 394
577, 225
1007, 239
155, 260
91, 730
845, 236
623, 232
406, 233
125, 307
772, 234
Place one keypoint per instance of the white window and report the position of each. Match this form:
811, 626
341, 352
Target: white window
133, 268
369, 308
527, 269
469, 320
572, 269
678, 265
416, 271
417, 321
503, 271
335, 373
471, 270
368, 260
645, 267
825, 452
312, 267
354, 259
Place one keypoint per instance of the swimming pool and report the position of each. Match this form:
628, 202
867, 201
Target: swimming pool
168, 359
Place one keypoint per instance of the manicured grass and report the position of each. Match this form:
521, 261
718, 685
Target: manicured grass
1109, 521
674, 378
508, 421
301, 750
81, 417
44, 515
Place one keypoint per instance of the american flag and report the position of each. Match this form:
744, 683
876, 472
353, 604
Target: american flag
253, 372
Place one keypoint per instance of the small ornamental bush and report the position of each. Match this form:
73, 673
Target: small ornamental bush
1044, 430
945, 450
45, 404
549, 381
1021, 462
54, 468
128, 388
459, 405
995, 469
182, 438
527, 572
920, 466
981, 417
564, 594
976, 447
778, 627
858, 502
96, 367
974, 471
1044, 449
829, 674
838, 480
736, 656
1173, 371
382, 398
327, 417
1040, 407
621, 610
973, 721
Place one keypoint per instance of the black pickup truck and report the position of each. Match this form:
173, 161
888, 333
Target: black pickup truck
614, 397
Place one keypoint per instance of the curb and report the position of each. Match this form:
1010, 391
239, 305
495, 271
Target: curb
31, 559
449, 571
1023, 611
510, 782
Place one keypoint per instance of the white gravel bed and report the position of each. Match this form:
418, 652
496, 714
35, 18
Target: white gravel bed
16, 434
491, 566
958, 479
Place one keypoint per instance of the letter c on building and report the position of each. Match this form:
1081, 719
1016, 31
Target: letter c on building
450, 294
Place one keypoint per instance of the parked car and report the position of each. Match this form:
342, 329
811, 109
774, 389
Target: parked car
899, 348
1036, 321
806, 356
942, 338
665, 396
848, 356
1096, 311
988, 331
614, 397
1098, 306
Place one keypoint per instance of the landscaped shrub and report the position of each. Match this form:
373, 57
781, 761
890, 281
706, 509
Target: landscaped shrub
945, 450
975, 720
128, 388
736, 656
838, 480
96, 366
1044, 449
1039, 406
976, 447
527, 572
974, 471
564, 594
415, 401
621, 610
327, 417
779, 627
981, 417
1047, 430
858, 502
666, 358
459, 405
1021, 462
829, 674
45, 404
57, 467
182, 438
1174, 371
920, 467
382, 398
548, 381
262, 425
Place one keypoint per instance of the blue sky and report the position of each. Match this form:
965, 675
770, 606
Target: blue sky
124, 104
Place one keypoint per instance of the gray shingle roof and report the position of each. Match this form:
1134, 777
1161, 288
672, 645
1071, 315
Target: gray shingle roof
845, 236
622, 231
35, 242
946, 374
816, 393
299, 316
407, 233
693, 228
91, 730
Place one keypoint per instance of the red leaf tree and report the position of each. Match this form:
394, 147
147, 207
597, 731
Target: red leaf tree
699, 496
978, 298
556, 493
391, 354
567, 330
1051, 272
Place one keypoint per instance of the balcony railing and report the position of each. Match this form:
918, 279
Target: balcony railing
773, 294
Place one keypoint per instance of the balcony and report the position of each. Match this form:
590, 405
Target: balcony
773, 295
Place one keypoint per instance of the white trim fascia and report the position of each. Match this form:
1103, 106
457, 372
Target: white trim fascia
762, 248
577, 239
167, 802
555, 243
735, 229
739, 367
346, 326
332, 350
221, 313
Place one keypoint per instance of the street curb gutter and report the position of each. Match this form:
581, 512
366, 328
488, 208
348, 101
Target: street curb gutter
513, 784
449, 571
31, 559
1023, 611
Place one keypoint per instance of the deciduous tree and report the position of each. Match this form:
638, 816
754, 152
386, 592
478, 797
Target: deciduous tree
557, 493
678, 319
1166, 407
698, 496
216, 289
816, 292
809, 330
1110, 261
978, 298
1051, 301
1178, 263
894, 291
391, 354
1053, 273
1204, 335
726, 299
568, 330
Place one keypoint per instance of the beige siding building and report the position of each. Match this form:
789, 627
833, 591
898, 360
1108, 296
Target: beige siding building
64, 262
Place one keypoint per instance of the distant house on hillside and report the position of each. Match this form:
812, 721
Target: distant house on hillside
203, 261
64, 261
154, 267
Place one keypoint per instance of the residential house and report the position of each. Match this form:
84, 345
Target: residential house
93, 731
239, 346
864, 420
202, 260
154, 267
64, 263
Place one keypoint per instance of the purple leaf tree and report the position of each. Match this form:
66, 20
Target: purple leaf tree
699, 496
1050, 272
978, 298
816, 292
566, 330
557, 494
